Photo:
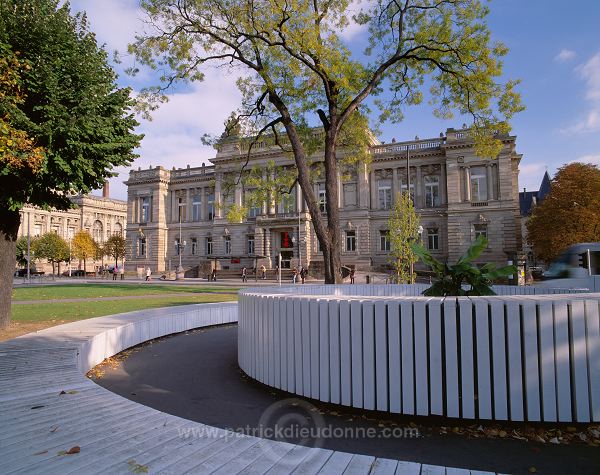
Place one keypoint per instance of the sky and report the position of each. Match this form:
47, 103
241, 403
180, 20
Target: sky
554, 51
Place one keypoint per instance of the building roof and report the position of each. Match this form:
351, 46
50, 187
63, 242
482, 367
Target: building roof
528, 199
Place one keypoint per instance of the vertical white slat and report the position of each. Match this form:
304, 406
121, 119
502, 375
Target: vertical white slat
499, 360
298, 360
263, 340
306, 309
395, 374
563, 360
368, 331
291, 344
532, 370
515, 368
381, 355
357, 352
451, 354
345, 354
435, 357
420, 345
277, 342
467, 382
272, 341
592, 320
406, 335
579, 363
334, 352
315, 354
547, 369
255, 336
283, 344
484, 374
325, 382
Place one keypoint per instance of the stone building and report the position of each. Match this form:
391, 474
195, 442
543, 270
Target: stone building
101, 216
457, 194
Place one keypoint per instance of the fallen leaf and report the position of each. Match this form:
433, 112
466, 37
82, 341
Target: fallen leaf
41, 453
135, 467
71, 451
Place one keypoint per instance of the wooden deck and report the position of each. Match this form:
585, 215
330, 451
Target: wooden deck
48, 407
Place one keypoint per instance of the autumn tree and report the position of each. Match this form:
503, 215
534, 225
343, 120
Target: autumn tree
570, 212
115, 247
64, 123
84, 247
296, 71
53, 248
404, 230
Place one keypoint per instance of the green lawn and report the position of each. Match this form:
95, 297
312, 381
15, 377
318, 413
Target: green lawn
66, 312
73, 291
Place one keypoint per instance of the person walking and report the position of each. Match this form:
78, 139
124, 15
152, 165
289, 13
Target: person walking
122, 272
294, 275
244, 275
214, 275
303, 273
115, 272
352, 275
263, 272
148, 274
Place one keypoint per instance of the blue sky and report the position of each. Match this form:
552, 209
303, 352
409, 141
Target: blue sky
554, 50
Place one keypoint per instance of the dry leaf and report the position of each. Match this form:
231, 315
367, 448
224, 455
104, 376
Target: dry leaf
41, 453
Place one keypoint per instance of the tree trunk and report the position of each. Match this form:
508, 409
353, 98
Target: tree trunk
9, 229
334, 260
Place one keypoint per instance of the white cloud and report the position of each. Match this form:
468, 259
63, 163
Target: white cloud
594, 159
590, 73
530, 175
565, 55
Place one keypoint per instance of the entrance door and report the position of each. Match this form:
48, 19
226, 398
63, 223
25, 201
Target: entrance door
286, 259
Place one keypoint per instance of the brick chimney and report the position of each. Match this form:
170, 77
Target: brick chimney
105, 190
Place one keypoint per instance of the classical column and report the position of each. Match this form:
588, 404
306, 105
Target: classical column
238, 194
373, 184
188, 206
467, 175
395, 184
340, 189
490, 182
419, 188
299, 198
363, 186
267, 238
272, 203
443, 185
218, 195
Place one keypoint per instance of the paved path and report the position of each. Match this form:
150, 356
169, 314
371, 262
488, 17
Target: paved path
53, 420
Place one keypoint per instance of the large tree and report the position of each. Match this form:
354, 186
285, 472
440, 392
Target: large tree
53, 248
84, 247
115, 247
569, 214
404, 226
73, 121
296, 70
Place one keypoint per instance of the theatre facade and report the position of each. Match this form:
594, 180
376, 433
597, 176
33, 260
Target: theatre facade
182, 213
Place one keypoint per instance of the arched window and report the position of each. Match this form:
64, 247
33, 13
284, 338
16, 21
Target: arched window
118, 229
98, 231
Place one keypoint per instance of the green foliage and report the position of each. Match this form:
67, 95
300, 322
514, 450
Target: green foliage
115, 247
52, 247
449, 280
70, 105
22, 250
404, 230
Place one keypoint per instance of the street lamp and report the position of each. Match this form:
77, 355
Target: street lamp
180, 246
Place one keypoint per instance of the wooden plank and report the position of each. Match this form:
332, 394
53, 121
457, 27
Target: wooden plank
315, 350
277, 343
298, 361
291, 345
325, 382
381, 355
356, 333
592, 315
384, 467
395, 361
562, 360
484, 373
336, 464
467, 382
432, 470
360, 465
334, 352
532, 371
271, 342
408, 468
451, 354
345, 354
368, 330
406, 336
435, 357
547, 367
515, 368
306, 307
421, 363
579, 363
499, 360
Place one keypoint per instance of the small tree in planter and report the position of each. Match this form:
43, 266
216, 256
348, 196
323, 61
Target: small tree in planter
450, 279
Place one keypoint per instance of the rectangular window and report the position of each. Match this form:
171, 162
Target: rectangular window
194, 246
432, 191
227, 244
385, 194
253, 211
384, 241
433, 239
211, 206
478, 184
412, 187
177, 247
480, 230
322, 197
208, 245
142, 247
181, 208
350, 241
349, 190
145, 210
250, 244
196, 207
288, 203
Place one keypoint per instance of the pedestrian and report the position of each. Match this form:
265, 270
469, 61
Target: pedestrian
352, 275
214, 275
303, 273
148, 274
294, 275
244, 276
122, 272
115, 272
263, 272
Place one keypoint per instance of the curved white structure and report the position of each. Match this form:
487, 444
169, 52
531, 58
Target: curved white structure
532, 357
